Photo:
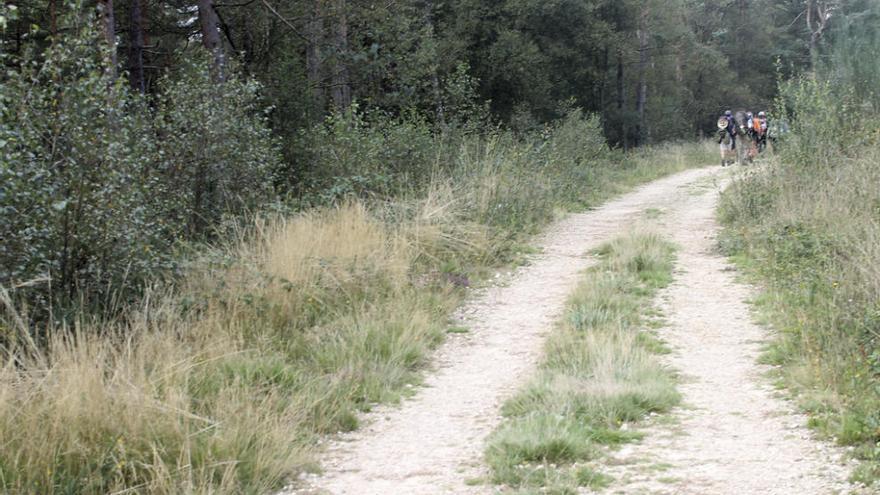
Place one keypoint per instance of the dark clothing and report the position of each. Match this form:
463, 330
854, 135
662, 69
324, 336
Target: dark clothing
731, 130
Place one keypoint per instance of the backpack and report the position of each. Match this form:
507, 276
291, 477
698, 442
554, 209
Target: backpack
759, 125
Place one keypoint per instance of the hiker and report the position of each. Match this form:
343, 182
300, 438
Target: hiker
727, 138
759, 129
748, 128
731, 128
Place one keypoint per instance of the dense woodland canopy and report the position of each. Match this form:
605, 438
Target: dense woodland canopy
129, 125
654, 70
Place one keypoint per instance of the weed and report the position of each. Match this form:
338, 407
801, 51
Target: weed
654, 213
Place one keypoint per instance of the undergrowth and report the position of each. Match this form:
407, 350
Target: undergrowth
598, 374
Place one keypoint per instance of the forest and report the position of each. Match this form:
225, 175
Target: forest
193, 192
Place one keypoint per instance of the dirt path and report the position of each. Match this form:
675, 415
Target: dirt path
734, 434
433, 443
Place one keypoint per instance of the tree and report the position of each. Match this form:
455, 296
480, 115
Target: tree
642, 90
817, 14
136, 46
108, 28
210, 30
315, 37
341, 88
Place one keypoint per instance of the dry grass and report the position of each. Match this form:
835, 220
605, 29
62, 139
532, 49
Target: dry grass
100, 415
316, 245
223, 385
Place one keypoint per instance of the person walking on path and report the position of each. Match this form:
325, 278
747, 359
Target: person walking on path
727, 137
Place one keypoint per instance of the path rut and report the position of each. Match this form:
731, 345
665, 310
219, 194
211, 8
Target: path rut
735, 433
432, 443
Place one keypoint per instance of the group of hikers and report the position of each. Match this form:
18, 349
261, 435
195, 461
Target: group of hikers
753, 127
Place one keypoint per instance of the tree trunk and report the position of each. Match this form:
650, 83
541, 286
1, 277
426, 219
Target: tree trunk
439, 114
621, 100
603, 86
699, 98
210, 27
108, 26
136, 47
341, 83
818, 13
814, 52
315, 36
428, 13
814, 57
53, 19
642, 91
741, 42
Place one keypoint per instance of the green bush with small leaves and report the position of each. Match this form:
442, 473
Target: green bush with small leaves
97, 185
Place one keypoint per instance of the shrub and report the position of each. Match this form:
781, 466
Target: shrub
73, 204
359, 154
97, 186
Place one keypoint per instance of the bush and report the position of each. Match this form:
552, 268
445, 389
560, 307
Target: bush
96, 187
216, 155
508, 181
362, 154
72, 202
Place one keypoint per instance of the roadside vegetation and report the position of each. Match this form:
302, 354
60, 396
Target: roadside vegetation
806, 226
599, 375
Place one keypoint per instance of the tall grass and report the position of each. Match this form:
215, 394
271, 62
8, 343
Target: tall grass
808, 229
223, 384
598, 373
285, 332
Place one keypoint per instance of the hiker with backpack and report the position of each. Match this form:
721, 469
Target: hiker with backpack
747, 128
727, 138
759, 130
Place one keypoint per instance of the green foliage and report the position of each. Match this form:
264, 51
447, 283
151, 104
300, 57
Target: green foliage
597, 375
215, 151
854, 45
73, 204
98, 184
524, 57
361, 154
825, 121
512, 182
